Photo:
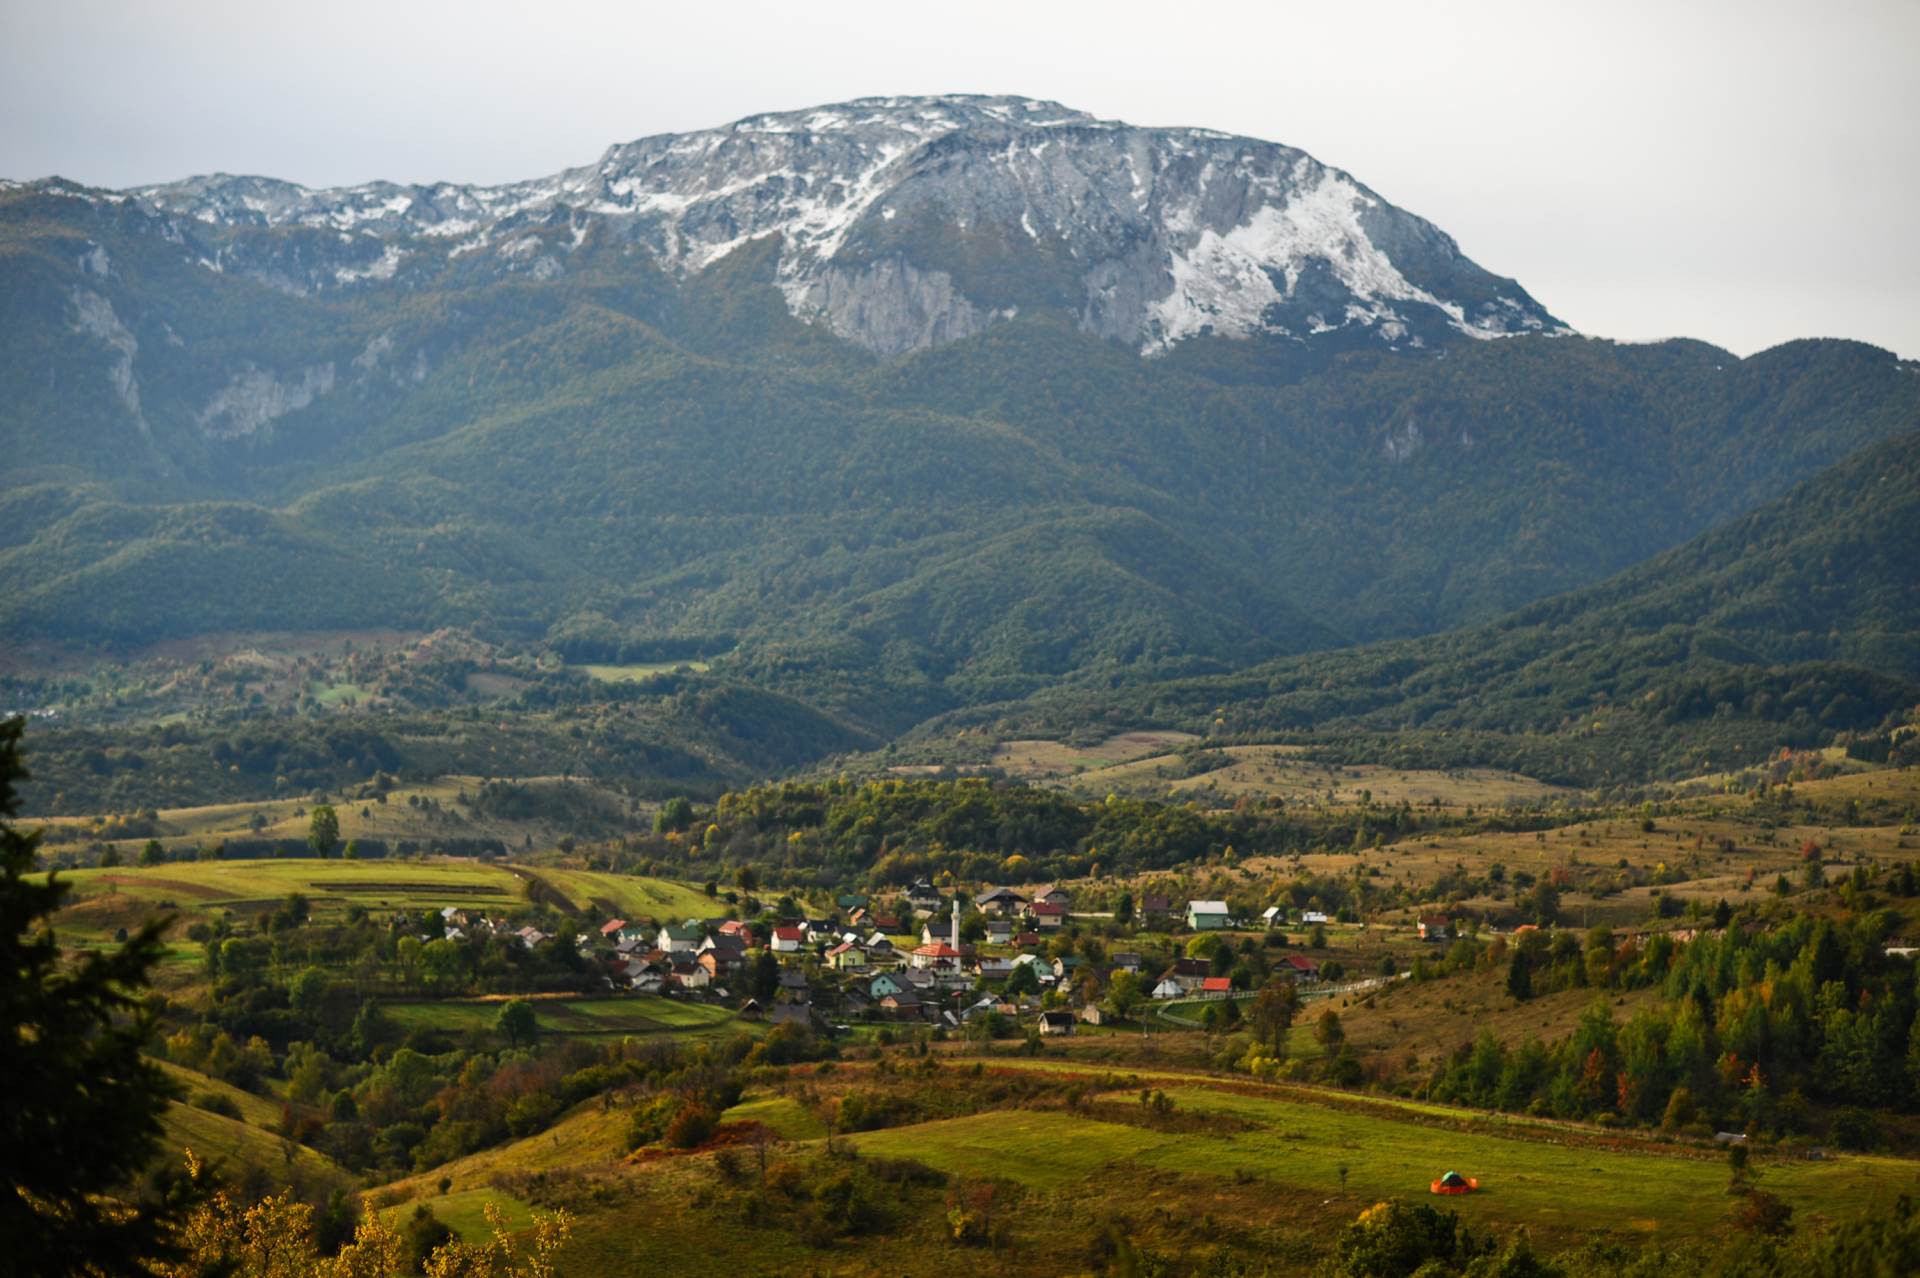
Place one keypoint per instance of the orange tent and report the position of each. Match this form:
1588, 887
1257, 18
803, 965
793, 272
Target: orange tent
1454, 1183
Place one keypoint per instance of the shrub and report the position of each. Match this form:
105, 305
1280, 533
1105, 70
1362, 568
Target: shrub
692, 1125
215, 1103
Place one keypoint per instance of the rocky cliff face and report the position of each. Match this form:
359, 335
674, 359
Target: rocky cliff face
899, 223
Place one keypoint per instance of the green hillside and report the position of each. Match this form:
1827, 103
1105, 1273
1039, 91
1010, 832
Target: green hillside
1783, 627
685, 464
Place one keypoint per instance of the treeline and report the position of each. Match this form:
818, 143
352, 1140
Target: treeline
1755, 1027
886, 833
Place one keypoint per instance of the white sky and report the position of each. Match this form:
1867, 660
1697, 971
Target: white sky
1741, 172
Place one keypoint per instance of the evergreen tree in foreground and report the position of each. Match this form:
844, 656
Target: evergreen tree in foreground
80, 1108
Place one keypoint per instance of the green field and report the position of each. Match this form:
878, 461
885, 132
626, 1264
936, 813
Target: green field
217, 1140
107, 898
636, 1015
1559, 1189
631, 895
640, 671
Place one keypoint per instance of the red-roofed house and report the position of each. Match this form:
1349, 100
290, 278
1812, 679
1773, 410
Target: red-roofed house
1302, 966
1435, 927
1048, 915
936, 957
1216, 985
611, 928
789, 940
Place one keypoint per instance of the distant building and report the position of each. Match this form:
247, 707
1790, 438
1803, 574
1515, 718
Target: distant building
1435, 927
1208, 916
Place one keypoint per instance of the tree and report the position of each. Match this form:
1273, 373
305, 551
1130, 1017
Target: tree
323, 830
675, 814
83, 1105
1520, 976
1273, 1012
518, 1022
1123, 909
1329, 1031
1123, 993
745, 879
153, 853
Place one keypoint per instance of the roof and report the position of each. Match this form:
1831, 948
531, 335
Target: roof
681, 932
611, 926
1207, 907
939, 949
1217, 984
1301, 963
842, 948
998, 894
789, 934
1049, 908
1154, 902
1435, 920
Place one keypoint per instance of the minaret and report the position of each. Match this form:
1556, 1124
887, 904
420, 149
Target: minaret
956, 920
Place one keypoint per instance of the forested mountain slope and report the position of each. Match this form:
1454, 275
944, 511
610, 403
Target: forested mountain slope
799, 395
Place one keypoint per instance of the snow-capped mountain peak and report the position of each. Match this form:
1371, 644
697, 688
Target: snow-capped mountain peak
902, 222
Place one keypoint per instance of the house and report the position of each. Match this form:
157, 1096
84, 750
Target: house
851, 901
1126, 962
1048, 915
1315, 916
1187, 973
532, 936
793, 985
1155, 907
734, 927
1435, 927
1094, 1014
691, 976
999, 900
679, 938
791, 1014
1027, 940
887, 983
847, 957
1216, 985
999, 931
1053, 894
886, 922
1067, 964
718, 963
1207, 916
752, 1011
994, 969
923, 897
1056, 1022
1300, 966
936, 957
727, 952
789, 940
1169, 988
1274, 916
611, 929
904, 1006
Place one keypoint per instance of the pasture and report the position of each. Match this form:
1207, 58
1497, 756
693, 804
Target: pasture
1279, 771
106, 899
636, 1016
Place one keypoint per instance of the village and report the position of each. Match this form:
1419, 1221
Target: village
1000, 963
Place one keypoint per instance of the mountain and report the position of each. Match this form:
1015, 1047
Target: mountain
1783, 627
894, 407
900, 223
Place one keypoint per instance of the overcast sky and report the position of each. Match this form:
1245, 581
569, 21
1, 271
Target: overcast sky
1740, 172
